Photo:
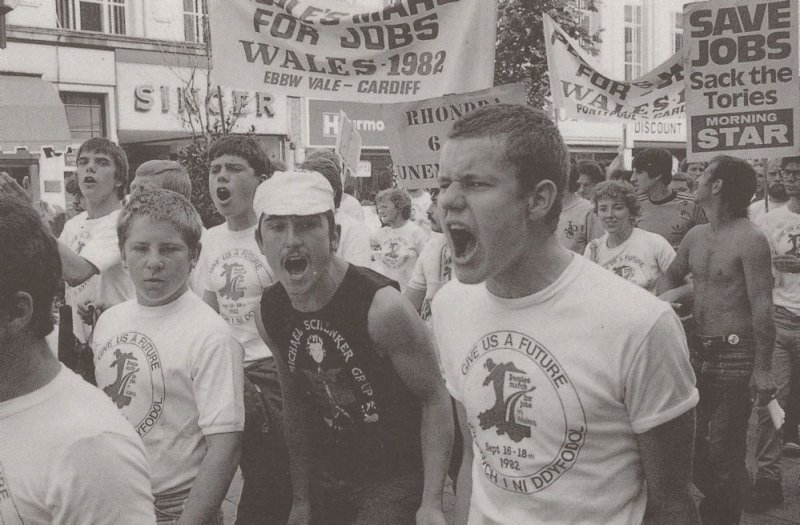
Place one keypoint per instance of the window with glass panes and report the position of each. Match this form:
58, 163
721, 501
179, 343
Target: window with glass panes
633, 41
103, 16
86, 114
194, 20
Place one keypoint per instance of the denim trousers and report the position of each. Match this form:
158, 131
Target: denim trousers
723, 373
266, 480
786, 374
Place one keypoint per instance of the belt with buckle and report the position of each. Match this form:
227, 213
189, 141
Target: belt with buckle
731, 339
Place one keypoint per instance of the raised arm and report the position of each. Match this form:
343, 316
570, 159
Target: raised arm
399, 333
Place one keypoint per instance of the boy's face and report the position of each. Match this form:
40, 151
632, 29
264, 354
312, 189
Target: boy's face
158, 261
297, 248
388, 212
96, 176
232, 183
435, 214
147, 183
643, 182
694, 170
483, 208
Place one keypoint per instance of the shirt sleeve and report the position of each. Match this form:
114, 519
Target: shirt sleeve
218, 384
594, 228
102, 250
659, 381
417, 280
438, 321
103, 479
665, 253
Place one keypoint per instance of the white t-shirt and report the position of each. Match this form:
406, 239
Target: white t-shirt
756, 211
68, 456
433, 269
419, 213
556, 386
782, 227
351, 207
96, 241
176, 373
353, 240
398, 251
641, 259
233, 268
578, 225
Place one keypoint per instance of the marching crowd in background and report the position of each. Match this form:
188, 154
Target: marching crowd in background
567, 345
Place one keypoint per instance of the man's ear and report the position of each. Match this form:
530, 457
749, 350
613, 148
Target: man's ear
17, 311
262, 177
541, 199
716, 186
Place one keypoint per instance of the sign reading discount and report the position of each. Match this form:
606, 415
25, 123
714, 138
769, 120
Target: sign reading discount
584, 93
418, 129
742, 85
347, 50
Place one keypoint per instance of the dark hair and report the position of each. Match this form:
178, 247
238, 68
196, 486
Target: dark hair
656, 162
572, 180
738, 183
785, 161
101, 145
29, 262
326, 163
533, 145
618, 190
399, 197
591, 170
621, 175
246, 147
162, 206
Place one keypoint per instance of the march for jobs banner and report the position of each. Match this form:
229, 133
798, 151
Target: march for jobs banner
742, 88
354, 50
417, 130
583, 92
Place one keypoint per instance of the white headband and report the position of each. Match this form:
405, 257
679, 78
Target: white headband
293, 193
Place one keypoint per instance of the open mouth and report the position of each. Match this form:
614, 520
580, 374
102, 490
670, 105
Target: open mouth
89, 180
223, 194
464, 242
295, 266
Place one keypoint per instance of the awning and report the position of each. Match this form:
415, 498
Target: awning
31, 115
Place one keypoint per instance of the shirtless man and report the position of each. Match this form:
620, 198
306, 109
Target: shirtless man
733, 332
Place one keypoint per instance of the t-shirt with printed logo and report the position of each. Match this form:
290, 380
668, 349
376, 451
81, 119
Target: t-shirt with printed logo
782, 227
577, 225
399, 250
433, 270
672, 218
232, 267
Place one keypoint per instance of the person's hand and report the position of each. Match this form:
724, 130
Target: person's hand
430, 515
762, 387
786, 263
300, 514
10, 188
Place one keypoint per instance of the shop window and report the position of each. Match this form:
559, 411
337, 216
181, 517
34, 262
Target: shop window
633, 41
86, 115
195, 18
104, 16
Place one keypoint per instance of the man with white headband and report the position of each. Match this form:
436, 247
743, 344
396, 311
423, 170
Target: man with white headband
368, 420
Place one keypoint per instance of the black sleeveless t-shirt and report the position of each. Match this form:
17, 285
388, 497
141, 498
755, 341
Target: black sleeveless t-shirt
366, 423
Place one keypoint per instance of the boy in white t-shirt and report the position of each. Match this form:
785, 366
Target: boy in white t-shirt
66, 454
170, 364
575, 386
234, 273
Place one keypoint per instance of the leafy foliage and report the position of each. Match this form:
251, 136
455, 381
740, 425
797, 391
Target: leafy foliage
520, 54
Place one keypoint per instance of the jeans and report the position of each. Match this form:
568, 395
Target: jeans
393, 501
785, 372
267, 488
723, 375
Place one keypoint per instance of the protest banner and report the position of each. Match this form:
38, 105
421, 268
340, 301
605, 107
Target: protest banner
418, 129
348, 145
742, 87
581, 91
362, 51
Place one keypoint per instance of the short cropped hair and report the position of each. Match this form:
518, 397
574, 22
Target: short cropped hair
618, 190
327, 163
738, 183
162, 206
785, 161
29, 263
399, 197
533, 145
591, 170
684, 165
245, 146
176, 178
112, 149
656, 162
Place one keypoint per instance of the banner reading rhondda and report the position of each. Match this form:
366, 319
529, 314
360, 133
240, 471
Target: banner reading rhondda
742, 88
582, 92
356, 50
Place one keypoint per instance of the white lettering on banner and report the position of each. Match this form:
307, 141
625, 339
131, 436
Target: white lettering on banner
583, 92
330, 125
741, 90
406, 50
418, 129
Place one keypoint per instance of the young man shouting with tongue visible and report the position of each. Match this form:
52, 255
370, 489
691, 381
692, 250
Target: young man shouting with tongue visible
575, 385
368, 420
233, 274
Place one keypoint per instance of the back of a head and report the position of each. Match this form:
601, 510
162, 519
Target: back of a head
29, 263
112, 149
533, 144
656, 162
738, 183
246, 147
162, 206
327, 163
174, 177
591, 170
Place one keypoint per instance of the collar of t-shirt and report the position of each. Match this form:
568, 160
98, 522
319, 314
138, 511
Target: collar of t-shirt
151, 312
570, 273
671, 197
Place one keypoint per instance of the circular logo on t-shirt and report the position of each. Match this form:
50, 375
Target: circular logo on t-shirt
523, 411
129, 371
